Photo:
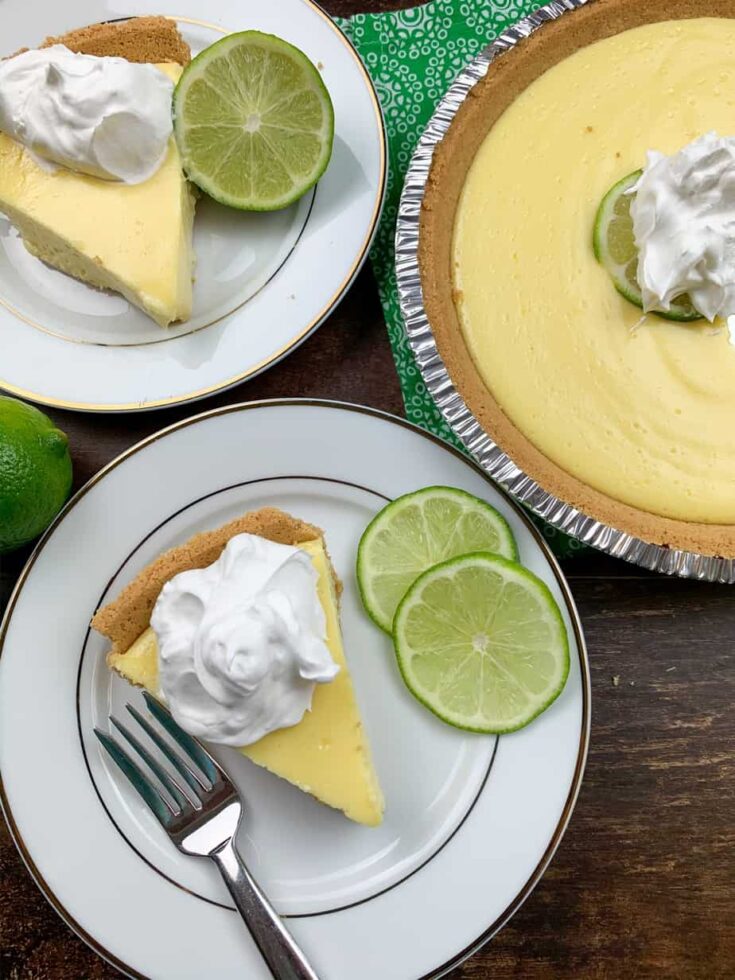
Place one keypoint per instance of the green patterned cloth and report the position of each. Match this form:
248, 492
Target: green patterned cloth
413, 57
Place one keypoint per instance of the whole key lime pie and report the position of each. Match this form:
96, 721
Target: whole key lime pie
577, 255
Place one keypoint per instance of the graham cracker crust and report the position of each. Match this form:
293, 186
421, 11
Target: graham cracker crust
140, 39
123, 620
154, 40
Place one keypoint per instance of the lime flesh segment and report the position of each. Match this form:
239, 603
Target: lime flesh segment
254, 122
417, 531
614, 245
480, 641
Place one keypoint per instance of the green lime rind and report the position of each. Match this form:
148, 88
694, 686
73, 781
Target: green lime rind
416, 531
481, 643
614, 246
35, 473
253, 122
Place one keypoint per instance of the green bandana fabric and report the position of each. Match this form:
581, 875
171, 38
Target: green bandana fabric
413, 57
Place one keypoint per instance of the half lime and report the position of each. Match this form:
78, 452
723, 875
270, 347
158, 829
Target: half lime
254, 122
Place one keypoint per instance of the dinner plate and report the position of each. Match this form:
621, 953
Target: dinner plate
263, 283
471, 821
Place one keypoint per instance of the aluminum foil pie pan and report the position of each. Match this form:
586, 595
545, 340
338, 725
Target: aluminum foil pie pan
495, 462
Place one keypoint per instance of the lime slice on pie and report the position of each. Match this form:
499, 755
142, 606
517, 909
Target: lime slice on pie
253, 121
480, 641
417, 531
615, 249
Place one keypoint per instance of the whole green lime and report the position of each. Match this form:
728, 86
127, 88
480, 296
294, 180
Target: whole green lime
35, 472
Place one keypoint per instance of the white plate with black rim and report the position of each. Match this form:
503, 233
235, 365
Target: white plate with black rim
264, 282
471, 821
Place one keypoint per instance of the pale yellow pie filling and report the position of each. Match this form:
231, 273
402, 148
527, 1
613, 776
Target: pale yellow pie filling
645, 415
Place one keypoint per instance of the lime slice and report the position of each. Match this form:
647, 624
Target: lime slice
615, 249
481, 642
417, 531
253, 121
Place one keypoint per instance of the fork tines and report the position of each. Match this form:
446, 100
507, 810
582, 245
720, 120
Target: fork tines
201, 776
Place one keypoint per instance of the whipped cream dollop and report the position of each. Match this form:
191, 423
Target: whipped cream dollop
106, 117
684, 225
241, 643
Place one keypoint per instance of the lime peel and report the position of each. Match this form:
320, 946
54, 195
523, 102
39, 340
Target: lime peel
35, 472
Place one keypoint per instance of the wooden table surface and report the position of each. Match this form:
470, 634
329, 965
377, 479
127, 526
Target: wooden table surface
643, 884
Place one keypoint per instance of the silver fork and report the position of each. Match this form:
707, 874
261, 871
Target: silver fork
201, 818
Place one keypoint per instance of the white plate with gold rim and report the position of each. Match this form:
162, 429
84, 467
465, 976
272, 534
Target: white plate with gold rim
471, 822
264, 282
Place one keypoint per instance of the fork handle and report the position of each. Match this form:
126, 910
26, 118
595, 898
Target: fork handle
276, 944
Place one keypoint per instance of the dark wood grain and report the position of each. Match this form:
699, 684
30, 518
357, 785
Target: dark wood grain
643, 883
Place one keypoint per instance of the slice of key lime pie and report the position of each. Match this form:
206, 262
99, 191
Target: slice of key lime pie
237, 630
90, 174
